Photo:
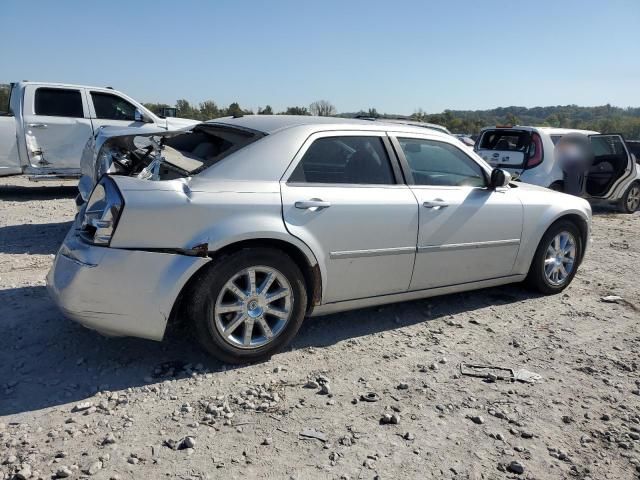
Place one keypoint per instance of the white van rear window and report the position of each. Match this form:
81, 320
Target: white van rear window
505, 140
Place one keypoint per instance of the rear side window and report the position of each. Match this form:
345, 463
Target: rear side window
505, 140
440, 164
58, 102
112, 107
352, 160
607, 145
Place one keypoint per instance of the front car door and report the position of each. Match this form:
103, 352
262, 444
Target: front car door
344, 197
56, 126
467, 231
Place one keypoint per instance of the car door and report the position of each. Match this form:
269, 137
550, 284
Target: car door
56, 125
467, 231
344, 197
110, 109
612, 165
9, 159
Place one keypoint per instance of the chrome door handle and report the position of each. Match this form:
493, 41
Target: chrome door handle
38, 125
314, 204
437, 203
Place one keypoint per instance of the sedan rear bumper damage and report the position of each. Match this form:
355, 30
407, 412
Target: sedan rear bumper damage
118, 292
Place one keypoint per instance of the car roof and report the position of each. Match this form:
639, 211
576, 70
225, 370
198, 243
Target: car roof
547, 130
64, 85
273, 123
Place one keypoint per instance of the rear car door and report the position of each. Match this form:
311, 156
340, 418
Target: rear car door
56, 126
612, 165
468, 232
344, 197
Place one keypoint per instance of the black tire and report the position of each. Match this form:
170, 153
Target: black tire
536, 277
557, 186
626, 203
209, 284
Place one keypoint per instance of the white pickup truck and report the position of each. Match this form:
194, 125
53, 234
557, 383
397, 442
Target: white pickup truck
47, 125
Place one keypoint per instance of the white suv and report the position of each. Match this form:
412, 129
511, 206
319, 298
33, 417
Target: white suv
528, 154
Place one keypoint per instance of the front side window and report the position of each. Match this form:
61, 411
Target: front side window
440, 164
58, 102
348, 159
112, 107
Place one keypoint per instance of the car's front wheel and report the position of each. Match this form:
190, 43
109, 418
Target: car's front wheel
630, 201
556, 259
248, 305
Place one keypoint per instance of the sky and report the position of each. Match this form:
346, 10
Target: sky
396, 56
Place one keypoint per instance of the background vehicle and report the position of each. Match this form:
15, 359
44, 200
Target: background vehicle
251, 223
528, 154
48, 125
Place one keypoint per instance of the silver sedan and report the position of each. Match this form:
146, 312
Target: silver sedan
245, 226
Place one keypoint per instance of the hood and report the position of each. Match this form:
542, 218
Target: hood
174, 123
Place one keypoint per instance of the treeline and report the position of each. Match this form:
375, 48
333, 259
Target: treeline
209, 109
604, 118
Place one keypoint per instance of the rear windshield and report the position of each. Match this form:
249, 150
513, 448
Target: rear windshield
208, 144
505, 140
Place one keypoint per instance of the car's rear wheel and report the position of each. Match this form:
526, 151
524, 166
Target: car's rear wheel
247, 306
556, 259
630, 201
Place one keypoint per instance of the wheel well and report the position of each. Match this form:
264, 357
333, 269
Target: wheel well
583, 227
558, 184
311, 274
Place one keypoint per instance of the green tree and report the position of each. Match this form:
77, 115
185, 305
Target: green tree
265, 111
208, 110
296, 111
185, 110
322, 108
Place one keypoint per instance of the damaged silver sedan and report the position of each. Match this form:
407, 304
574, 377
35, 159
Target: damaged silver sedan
244, 226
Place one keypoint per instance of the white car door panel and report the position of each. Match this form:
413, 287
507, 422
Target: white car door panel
364, 235
56, 126
9, 158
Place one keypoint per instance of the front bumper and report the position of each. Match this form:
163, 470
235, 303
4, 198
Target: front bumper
118, 292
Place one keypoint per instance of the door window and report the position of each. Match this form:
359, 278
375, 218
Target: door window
440, 164
58, 102
112, 107
348, 159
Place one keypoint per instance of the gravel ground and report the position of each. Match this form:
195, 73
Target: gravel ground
75, 404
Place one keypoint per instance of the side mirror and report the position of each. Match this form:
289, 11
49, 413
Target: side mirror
499, 178
138, 116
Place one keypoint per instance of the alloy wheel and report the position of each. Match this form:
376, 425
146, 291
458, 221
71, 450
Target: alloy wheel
560, 258
633, 198
253, 307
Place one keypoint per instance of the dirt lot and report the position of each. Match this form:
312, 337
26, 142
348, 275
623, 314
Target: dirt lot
75, 404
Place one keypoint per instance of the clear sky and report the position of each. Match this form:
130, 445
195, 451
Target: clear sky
396, 56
